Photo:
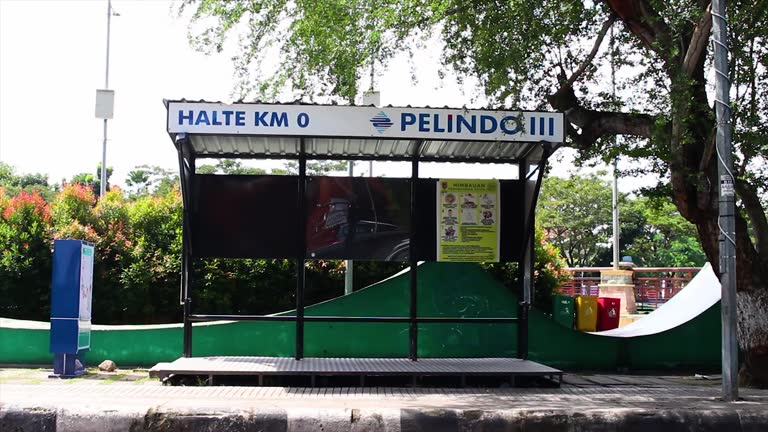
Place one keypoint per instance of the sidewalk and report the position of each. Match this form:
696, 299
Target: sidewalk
129, 401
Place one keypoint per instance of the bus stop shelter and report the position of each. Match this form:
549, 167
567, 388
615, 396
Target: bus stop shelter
430, 219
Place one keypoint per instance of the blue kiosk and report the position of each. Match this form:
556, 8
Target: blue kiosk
71, 289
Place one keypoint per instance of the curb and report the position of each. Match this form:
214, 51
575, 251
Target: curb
403, 420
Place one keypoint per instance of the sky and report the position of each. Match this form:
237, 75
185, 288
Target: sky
52, 60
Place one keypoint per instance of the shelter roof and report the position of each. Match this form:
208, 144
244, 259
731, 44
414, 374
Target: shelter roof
286, 131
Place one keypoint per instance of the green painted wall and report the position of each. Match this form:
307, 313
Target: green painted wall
445, 290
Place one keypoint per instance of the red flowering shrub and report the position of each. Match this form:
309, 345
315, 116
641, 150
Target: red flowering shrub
25, 256
26, 203
74, 203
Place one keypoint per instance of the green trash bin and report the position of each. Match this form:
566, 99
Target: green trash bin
562, 310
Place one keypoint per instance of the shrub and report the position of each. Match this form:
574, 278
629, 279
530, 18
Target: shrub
25, 257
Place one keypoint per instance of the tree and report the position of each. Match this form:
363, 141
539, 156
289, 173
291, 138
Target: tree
575, 214
151, 179
318, 167
93, 181
228, 166
30, 183
138, 179
84, 179
663, 238
530, 55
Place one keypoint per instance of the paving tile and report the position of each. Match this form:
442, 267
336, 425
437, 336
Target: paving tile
603, 380
576, 380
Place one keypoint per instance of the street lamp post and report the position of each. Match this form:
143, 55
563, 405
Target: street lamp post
615, 189
105, 106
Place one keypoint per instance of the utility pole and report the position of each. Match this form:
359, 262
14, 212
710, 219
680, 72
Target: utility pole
726, 218
370, 97
615, 202
105, 100
615, 194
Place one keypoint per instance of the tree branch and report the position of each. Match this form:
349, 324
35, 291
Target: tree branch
599, 41
756, 214
645, 23
698, 43
709, 152
595, 124
430, 19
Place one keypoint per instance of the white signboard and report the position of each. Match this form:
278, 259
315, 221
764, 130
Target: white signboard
86, 282
364, 122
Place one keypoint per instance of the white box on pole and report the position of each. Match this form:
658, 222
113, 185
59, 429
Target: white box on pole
105, 104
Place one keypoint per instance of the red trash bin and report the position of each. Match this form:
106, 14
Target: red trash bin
608, 313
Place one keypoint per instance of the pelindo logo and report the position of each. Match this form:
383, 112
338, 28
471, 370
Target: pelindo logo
381, 122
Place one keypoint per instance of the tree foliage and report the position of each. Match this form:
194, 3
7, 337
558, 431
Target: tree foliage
31, 183
576, 215
93, 181
228, 166
662, 238
548, 272
151, 179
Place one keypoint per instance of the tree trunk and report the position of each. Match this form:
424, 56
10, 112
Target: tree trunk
751, 298
752, 316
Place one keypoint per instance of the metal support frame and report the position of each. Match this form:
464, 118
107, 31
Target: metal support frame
186, 171
384, 158
531, 188
413, 327
333, 318
530, 192
524, 271
300, 252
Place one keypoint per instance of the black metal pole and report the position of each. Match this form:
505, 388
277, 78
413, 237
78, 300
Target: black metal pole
413, 328
187, 328
301, 251
186, 301
523, 305
531, 188
522, 310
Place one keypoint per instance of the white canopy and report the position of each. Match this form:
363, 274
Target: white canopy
701, 293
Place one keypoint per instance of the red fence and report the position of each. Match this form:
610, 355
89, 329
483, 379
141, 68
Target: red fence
653, 285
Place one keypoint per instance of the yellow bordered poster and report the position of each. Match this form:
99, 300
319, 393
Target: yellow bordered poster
468, 220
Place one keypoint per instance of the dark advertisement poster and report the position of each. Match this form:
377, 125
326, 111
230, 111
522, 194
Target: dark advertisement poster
244, 216
358, 218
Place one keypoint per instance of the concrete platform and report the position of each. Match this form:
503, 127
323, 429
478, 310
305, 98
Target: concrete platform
214, 368
130, 401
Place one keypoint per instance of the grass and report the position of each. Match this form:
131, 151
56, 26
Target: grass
18, 374
34, 376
